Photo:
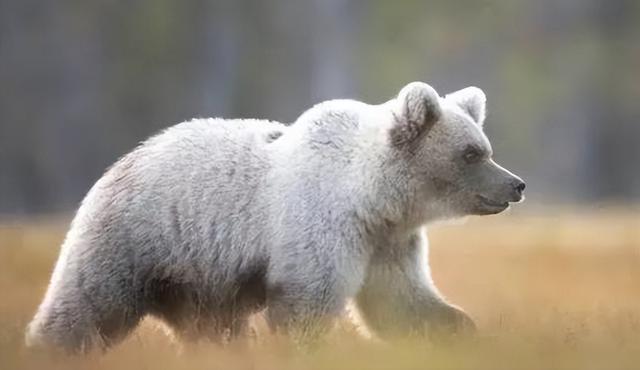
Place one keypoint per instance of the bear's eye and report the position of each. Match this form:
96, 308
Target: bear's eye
472, 155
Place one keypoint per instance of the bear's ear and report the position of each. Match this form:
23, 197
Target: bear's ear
472, 101
420, 110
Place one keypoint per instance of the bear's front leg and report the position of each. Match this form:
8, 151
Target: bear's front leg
304, 307
307, 293
399, 299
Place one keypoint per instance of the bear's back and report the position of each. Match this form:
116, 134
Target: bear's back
195, 187
193, 160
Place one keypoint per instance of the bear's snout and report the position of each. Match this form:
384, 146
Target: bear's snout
518, 188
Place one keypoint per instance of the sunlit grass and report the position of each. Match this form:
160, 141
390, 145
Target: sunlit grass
555, 291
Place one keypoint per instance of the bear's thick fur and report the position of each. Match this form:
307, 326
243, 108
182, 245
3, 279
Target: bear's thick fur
213, 220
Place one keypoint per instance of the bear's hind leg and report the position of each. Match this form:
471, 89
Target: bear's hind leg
76, 328
78, 317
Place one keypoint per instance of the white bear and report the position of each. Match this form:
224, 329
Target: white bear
213, 220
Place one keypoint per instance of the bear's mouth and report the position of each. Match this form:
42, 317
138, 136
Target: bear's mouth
492, 205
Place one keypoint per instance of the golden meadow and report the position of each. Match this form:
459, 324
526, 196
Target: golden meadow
549, 290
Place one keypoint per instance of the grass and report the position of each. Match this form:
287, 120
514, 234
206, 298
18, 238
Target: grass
553, 292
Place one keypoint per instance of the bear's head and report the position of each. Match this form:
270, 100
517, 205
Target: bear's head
442, 148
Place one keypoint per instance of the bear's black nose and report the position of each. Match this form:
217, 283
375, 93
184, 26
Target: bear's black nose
519, 185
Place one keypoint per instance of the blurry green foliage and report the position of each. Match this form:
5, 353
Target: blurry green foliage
84, 82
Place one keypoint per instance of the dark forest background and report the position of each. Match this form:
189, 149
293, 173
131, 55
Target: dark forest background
82, 82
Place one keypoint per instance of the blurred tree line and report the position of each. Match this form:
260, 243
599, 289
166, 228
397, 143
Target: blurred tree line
83, 82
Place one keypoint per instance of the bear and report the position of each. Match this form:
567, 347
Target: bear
214, 220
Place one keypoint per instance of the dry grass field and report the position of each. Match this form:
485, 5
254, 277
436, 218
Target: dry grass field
552, 292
